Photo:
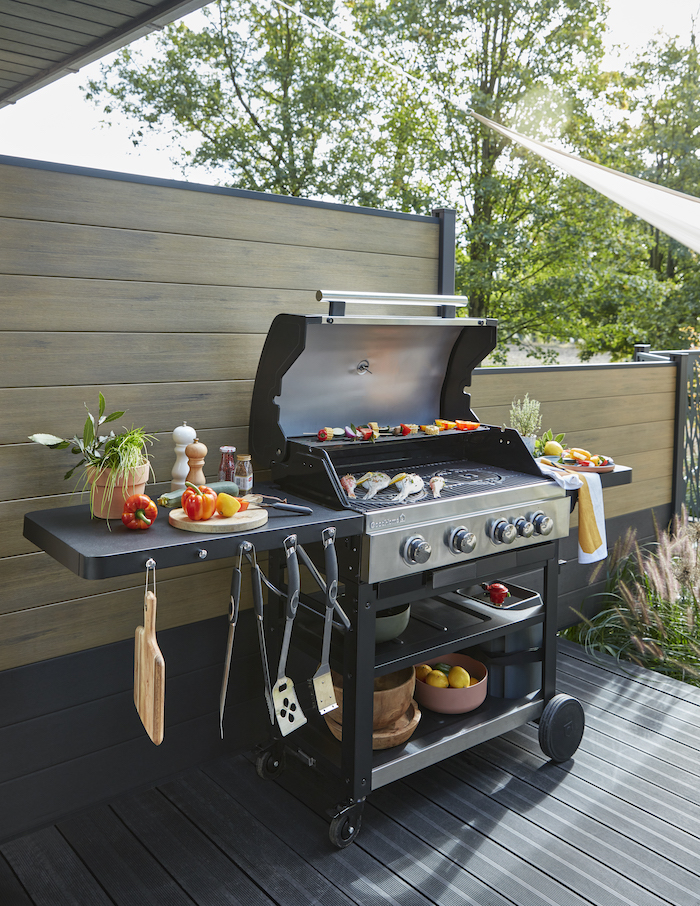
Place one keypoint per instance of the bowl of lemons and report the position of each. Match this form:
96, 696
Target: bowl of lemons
451, 684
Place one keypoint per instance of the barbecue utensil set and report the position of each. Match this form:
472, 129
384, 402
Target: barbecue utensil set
283, 705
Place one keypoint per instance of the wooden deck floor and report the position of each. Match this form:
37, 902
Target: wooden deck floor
618, 824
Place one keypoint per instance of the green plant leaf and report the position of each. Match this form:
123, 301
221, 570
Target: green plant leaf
50, 440
112, 417
88, 431
102, 404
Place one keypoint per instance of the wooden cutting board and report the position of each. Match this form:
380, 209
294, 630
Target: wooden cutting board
253, 517
149, 674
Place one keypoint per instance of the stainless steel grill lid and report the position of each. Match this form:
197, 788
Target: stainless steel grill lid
337, 369
334, 370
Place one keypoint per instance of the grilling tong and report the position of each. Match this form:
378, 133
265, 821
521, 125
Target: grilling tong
282, 703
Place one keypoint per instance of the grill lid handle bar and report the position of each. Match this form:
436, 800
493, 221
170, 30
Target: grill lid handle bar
446, 305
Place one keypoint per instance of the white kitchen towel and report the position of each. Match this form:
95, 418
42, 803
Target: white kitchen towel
570, 481
592, 543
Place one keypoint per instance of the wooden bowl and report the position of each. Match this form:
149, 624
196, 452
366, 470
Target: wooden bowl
395, 734
454, 701
392, 696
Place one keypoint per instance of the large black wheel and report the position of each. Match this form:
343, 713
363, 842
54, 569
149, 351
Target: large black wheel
345, 826
561, 727
270, 763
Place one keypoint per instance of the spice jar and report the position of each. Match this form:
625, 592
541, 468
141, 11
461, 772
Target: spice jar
227, 466
243, 475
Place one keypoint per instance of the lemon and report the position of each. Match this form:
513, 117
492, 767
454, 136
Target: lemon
226, 505
422, 671
552, 448
458, 677
437, 678
473, 681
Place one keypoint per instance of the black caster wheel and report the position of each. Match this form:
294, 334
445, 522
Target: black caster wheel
345, 826
561, 727
270, 763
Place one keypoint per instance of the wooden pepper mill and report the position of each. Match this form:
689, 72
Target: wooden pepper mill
196, 452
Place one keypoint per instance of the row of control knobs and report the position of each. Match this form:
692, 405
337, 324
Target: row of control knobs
417, 550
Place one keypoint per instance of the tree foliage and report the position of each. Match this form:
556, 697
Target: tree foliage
285, 106
258, 92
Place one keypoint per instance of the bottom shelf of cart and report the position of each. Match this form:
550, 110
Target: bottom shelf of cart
439, 736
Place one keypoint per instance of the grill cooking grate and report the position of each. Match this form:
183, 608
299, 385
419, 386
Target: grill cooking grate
461, 481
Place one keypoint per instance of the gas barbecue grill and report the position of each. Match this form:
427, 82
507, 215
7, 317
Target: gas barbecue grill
496, 516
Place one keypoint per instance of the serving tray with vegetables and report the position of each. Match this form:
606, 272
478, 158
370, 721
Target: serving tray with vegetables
579, 460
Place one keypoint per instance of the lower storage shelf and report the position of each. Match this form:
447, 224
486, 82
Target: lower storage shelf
438, 736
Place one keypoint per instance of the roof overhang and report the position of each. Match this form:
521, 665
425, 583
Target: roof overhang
43, 40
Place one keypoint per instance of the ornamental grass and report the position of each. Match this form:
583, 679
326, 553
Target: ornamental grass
651, 606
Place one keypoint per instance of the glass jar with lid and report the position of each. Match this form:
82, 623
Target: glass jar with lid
243, 475
227, 466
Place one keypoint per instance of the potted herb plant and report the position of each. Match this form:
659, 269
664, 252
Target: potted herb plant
115, 466
525, 418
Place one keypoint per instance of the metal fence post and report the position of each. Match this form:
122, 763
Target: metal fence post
679, 488
448, 242
685, 453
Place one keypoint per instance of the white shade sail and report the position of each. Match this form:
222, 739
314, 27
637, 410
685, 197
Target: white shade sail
674, 213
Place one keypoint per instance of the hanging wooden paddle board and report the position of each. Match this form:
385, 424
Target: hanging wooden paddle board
253, 517
149, 674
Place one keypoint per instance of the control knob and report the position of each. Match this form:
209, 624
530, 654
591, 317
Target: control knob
503, 532
524, 527
462, 541
417, 550
543, 524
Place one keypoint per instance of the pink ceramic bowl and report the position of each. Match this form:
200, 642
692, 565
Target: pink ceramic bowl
453, 701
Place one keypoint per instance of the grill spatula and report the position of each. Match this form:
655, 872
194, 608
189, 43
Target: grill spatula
321, 680
287, 708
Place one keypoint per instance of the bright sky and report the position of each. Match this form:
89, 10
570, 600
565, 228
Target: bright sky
56, 124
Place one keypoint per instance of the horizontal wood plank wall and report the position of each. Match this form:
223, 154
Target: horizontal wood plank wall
625, 411
159, 294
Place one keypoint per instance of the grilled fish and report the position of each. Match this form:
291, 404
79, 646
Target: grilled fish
374, 481
437, 483
349, 484
409, 484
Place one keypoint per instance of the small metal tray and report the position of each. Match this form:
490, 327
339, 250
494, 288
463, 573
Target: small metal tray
520, 598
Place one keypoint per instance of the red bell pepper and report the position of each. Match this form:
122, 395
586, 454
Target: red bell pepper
139, 512
199, 502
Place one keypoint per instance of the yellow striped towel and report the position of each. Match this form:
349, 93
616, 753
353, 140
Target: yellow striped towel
592, 542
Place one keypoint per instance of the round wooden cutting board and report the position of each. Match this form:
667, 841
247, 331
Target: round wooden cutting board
253, 517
